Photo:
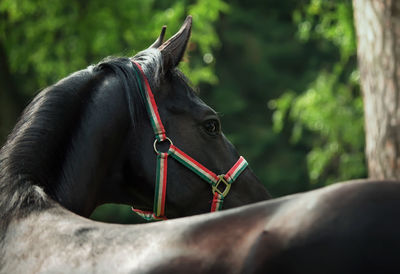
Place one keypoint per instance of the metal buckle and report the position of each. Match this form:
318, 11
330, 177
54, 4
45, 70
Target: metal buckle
156, 142
227, 186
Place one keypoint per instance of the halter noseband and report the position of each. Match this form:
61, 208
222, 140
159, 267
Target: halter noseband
216, 181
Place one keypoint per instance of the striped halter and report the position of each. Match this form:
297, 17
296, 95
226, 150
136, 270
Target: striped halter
223, 181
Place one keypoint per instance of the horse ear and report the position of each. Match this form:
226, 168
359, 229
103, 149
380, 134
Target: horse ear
160, 38
173, 49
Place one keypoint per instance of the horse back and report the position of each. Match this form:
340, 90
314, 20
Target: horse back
351, 227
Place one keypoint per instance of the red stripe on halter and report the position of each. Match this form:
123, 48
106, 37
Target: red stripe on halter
233, 169
217, 200
200, 166
153, 104
164, 187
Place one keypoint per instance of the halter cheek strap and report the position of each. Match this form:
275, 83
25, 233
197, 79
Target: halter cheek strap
220, 184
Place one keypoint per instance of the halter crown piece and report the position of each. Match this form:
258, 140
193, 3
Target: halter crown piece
216, 181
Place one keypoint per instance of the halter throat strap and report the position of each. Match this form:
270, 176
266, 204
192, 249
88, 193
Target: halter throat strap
220, 184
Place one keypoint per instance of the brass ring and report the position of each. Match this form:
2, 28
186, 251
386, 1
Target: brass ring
157, 141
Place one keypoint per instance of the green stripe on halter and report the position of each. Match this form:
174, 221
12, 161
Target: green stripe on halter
192, 168
238, 172
157, 187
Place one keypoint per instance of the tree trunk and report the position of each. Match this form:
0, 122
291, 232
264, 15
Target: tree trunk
378, 34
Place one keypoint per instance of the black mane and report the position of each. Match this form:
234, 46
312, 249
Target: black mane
32, 157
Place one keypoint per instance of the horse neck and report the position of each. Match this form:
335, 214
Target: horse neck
63, 145
96, 149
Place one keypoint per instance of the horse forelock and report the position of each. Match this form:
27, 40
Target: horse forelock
152, 64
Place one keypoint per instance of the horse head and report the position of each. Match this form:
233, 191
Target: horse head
194, 128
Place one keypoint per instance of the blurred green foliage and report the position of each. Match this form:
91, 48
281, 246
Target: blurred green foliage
46, 41
281, 73
331, 106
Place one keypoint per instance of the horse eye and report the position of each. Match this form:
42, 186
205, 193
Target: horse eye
212, 127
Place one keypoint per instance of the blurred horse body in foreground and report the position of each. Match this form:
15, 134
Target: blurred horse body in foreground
345, 228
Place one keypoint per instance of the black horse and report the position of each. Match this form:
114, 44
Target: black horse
77, 146
87, 140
